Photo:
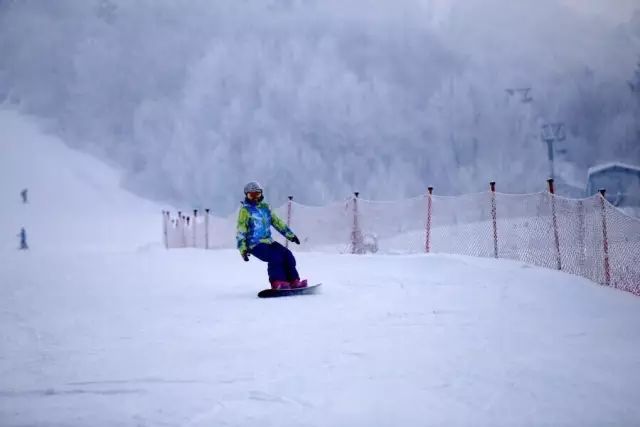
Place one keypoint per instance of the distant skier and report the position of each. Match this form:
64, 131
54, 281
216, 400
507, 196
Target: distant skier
23, 239
254, 237
23, 193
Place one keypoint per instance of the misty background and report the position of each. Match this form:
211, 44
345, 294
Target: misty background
192, 99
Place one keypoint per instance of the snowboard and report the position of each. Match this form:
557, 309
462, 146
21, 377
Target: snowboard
273, 293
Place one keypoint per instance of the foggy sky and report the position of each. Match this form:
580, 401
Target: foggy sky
321, 98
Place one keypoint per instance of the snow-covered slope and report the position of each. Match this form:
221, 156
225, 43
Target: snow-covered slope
74, 200
120, 332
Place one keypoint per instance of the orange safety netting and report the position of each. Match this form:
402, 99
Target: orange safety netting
587, 237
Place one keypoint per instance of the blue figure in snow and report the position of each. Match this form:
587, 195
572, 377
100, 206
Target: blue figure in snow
23, 239
255, 219
23, 193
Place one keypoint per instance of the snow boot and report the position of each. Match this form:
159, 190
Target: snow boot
297, 283
280, 285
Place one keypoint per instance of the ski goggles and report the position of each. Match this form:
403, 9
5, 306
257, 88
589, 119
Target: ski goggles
254, 195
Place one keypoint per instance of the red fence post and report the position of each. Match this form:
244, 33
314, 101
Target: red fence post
206, 229
554, 219
355, 232
605, 239
581, 237
286, 242
494, 217
427, 245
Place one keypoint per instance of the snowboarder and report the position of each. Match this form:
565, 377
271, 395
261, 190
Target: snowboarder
23, 239
255, 219
23, 193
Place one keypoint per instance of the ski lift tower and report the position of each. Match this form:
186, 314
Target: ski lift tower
634, 84
552, 132
524, 92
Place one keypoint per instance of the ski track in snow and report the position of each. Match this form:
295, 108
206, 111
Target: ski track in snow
507, 349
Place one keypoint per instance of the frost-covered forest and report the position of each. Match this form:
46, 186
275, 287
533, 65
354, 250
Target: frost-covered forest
317, 98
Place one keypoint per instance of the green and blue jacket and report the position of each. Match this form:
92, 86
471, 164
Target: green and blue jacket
254, 225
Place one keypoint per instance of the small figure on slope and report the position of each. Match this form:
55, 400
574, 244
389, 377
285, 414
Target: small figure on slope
23, 239
254, 237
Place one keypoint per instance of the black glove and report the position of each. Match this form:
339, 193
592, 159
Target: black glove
245, 255
295, 240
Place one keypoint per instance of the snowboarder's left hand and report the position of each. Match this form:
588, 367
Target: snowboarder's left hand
245, 255
295, 240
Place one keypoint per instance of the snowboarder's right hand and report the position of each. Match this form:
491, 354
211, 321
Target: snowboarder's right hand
245, 255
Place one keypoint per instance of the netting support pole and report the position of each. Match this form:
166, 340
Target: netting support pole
494, 217
165, 233
581, 238
206, 229
554, 219
183, 238
193, 225
605, 239
355, 232
286, 241
427, 243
